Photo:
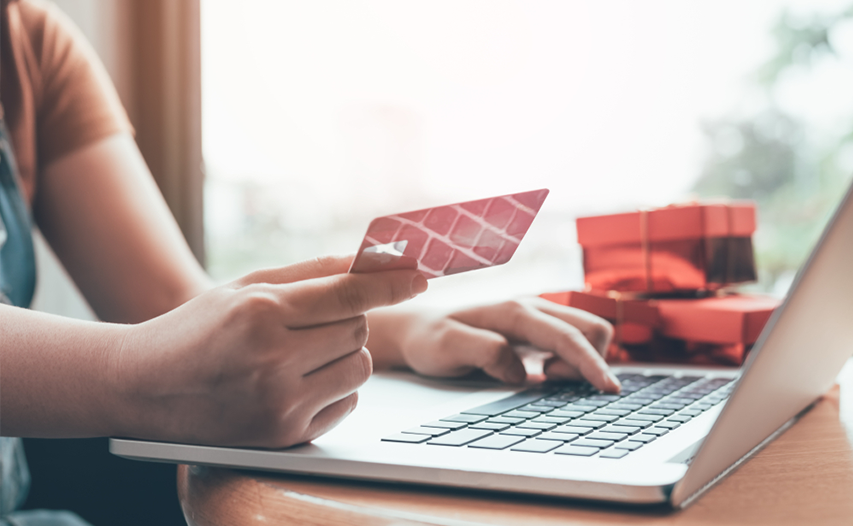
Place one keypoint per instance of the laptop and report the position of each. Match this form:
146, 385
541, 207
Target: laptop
666, 438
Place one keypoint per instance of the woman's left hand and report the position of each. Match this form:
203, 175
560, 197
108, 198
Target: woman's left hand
482, 337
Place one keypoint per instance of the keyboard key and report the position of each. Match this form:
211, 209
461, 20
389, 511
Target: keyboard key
604, 435
489, 426
648, 418
445, 425
521, 432
583, 422
536, 446
642, 438
431, 431
468, 419
691, 412
459, 438
588, 442
536, 425
656, 412
566, 397
681, 418
657, 431
536, 408
605, 397
614, 453
667, 425
625, 430
630, 422
704, 406
552, 403
668, 406
600, 417
496, 442
549, 420
504, 420
579, 408
521, 414
562, 437
630, 445
407, 438
507, 404
588, 402
570, 449
561, 413
644, 401
629, 406
573, 430
614, 412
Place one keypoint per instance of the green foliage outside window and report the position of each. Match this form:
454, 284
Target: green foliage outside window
796, 176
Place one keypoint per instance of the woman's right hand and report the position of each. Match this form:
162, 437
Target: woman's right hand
271, 360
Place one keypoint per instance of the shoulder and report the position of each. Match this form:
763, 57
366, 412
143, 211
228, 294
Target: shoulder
74, 98
54, 41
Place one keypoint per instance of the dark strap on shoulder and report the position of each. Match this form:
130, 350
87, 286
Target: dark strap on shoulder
17, 257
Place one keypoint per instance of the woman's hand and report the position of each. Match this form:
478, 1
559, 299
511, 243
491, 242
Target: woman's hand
481, 338
271, 360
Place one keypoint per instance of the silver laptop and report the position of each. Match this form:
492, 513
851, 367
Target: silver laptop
670, 435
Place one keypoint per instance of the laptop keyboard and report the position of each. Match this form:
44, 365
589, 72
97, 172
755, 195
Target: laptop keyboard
576, 419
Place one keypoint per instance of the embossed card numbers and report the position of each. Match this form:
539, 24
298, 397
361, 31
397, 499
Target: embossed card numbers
450, 239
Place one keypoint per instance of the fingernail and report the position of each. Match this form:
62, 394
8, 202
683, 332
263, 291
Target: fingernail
419, 284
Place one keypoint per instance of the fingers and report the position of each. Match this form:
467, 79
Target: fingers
557, 334
330, 416
486, 350
597, 330
310, 269
555, 368
337, 380
570, 344
327, 342
317, 301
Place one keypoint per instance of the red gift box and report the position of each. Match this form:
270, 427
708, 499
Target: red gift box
718, 330
736, 319
634, 319
667, 350
681, 247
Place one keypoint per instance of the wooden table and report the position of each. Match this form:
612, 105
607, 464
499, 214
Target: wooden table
804, 477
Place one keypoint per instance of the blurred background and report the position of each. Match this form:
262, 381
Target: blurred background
319, 116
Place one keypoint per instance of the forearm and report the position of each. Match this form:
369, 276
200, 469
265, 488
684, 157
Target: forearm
103, 215
57, 376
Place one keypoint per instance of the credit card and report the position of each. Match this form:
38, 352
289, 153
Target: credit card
450, 239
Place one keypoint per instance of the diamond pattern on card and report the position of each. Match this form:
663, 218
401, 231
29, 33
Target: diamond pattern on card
450, 239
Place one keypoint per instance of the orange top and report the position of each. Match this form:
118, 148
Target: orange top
55, 95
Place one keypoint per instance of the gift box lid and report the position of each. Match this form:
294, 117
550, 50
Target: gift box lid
640, 312
728, 319
687, 221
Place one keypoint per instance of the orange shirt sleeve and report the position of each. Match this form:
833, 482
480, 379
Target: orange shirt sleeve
75, 101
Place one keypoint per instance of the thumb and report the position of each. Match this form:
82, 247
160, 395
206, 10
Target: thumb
313, 268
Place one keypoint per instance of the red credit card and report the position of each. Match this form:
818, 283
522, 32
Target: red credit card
450, 239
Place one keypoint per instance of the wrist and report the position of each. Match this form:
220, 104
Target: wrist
119, 371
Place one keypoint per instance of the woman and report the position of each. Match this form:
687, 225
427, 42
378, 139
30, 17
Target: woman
270, 360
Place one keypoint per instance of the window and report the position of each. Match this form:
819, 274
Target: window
319, 116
